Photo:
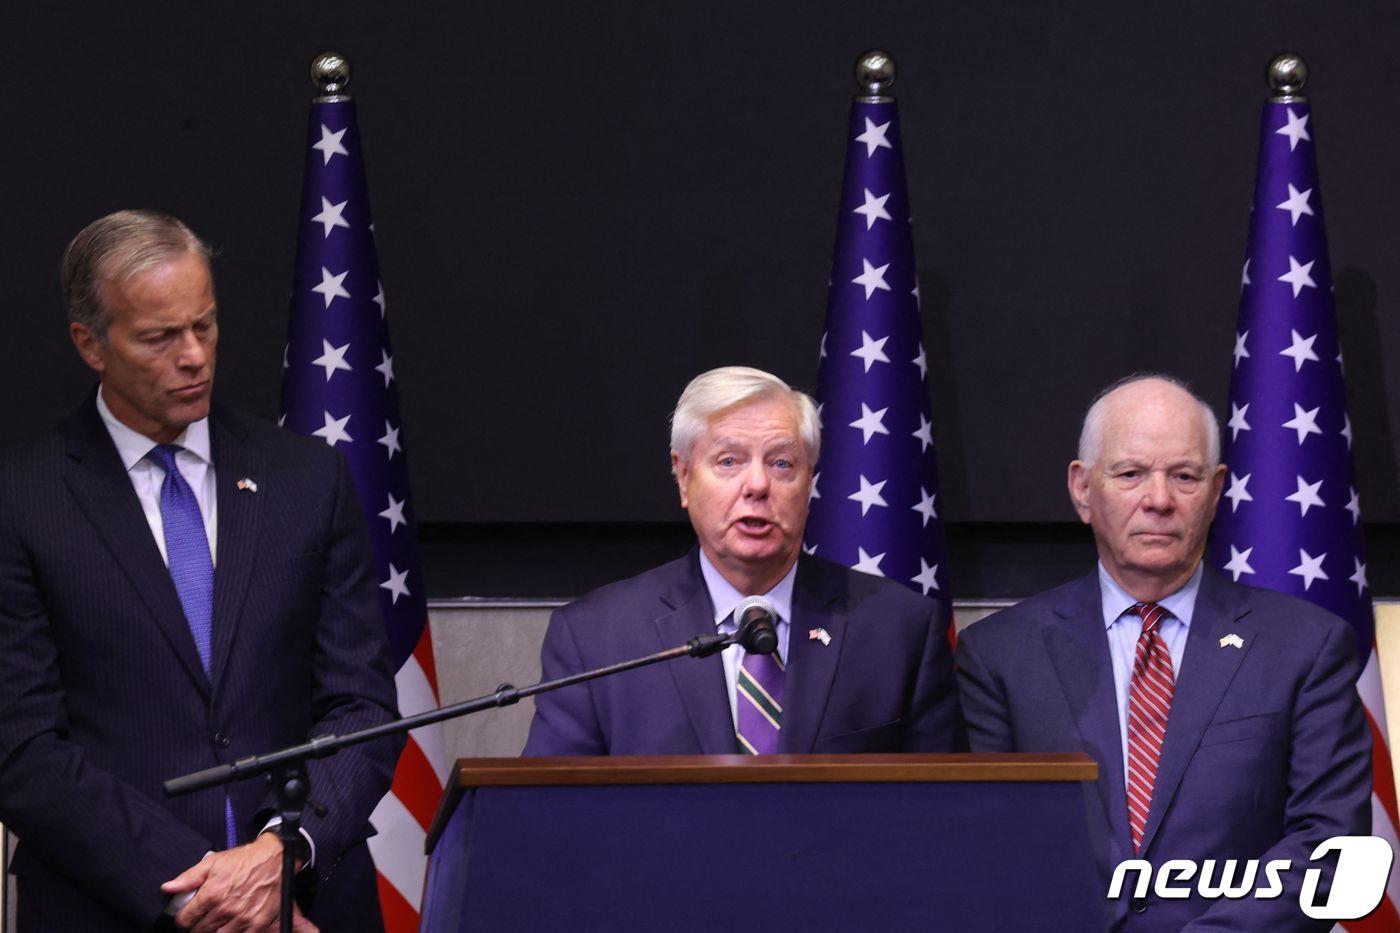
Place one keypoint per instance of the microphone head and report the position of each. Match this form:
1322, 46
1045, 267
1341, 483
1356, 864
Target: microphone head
758, 620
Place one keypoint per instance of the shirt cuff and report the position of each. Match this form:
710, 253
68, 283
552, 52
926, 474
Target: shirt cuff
276, 821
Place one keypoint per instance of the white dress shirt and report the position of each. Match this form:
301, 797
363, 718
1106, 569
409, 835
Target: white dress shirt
1124, 628
725, 598
195, 463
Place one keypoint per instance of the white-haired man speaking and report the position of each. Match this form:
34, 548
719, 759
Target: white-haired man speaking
863, 664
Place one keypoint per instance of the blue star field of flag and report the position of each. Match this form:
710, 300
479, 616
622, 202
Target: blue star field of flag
1290, 517
338, 382
875, 503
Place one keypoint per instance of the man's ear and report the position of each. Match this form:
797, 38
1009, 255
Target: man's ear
89, 346
682, 470
1078, 482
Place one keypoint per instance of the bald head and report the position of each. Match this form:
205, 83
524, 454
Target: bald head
1156, 391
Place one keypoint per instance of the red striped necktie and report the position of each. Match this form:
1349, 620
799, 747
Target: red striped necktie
1149, 705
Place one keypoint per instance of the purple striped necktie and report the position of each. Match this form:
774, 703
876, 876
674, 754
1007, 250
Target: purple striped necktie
1149, 706
191, 570
759, 701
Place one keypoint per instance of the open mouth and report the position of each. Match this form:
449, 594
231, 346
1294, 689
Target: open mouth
755, 524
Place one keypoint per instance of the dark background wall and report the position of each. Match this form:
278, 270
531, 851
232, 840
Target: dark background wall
581, 206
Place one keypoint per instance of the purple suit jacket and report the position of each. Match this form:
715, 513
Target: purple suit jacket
883, 684
1267, 750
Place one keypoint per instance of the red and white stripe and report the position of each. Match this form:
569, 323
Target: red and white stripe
402, 818
1385, 919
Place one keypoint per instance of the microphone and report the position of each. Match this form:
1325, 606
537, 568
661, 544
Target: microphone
758, 621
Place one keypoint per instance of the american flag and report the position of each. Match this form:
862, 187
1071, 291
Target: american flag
875, 503
1290, 518
339, 384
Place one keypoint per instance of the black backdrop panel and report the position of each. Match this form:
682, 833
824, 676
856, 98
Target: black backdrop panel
579, 206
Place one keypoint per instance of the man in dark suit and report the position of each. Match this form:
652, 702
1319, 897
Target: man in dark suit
862, 665
127, 658
1224, 719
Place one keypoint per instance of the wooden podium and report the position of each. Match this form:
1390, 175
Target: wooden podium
784, 842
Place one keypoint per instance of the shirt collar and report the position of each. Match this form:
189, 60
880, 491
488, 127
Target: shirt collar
1116, 600
725, 598
132, 445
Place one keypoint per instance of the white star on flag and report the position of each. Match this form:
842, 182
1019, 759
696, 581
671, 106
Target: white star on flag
331, 358
810, 549
386, 366
394, 513
918, 302
1346, 429
1306, 496
330, 144
925, 506
1354, 506
1309, 568
924, 434
1236, 424
871, 351
1359, 578
1297, 275
814, 494
379, 300
927, 576
331, 216
1244, 276
286, 351
921, 361
1239, 562
868, 564
873, 209
1300, 350
1297, 204
333, 431
1241, 353
1304, 422
822, 355
397, 584
869, 494
872, 278
1238, 491
331, 286
390, 440
1296, 130
874, 137
870, 422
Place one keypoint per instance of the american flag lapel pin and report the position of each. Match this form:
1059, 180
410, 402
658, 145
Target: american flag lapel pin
1233, 640
247, 484
819, 634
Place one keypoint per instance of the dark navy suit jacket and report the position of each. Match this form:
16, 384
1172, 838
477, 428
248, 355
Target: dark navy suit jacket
883, 684
102, 695
1267, 751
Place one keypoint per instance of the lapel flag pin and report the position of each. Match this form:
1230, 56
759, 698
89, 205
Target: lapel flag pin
819, 634
246, 483
1232, 639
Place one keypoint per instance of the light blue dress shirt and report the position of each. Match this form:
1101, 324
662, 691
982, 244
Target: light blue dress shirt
725, 598
1124, 629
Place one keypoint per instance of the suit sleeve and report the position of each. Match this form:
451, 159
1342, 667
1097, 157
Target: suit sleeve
984, 704
352, 685
1329, 789
935, 721
566, 721
111, 839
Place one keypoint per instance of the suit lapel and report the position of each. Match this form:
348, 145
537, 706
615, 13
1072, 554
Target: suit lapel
103, 490
239, 513
1078, 649
1206, 672
686, 613
811, 665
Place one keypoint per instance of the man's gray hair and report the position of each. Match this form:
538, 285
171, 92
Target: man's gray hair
1091, 435
115, 248
720, 389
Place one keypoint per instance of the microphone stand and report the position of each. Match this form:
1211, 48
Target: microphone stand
291, 782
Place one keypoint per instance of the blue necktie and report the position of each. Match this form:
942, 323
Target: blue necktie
191, 570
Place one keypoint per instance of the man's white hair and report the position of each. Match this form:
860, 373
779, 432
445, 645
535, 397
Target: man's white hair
1091, 435
718, 390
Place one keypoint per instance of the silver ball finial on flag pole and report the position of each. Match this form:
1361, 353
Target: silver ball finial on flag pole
875, 74
330, 72
1288, 73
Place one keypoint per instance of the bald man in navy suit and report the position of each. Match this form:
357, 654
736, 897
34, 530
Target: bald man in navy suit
179, 587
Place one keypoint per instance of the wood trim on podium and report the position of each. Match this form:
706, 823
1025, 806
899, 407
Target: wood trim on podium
748, 769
